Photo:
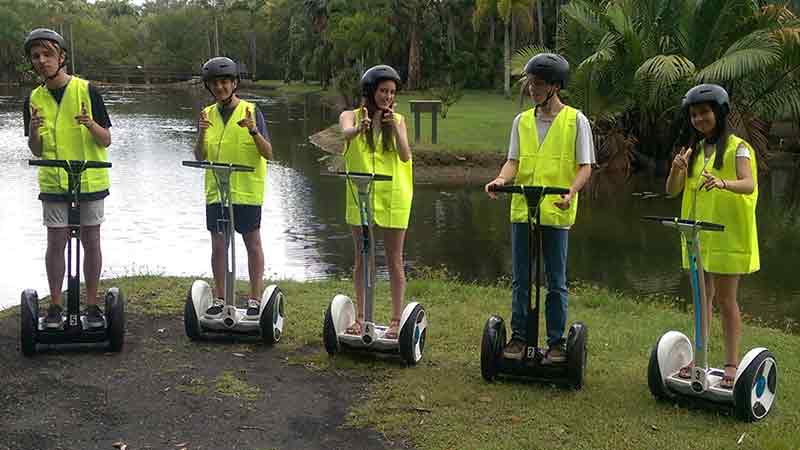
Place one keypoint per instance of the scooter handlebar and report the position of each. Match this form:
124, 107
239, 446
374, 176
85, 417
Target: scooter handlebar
675, 221
541, 190
216, 165
67, 164
361, 175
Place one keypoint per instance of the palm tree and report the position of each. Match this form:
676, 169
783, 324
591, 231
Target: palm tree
633, 60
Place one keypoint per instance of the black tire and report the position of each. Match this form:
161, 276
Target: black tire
754, 378
115, 319
492, 343
654, 381
329, 336
29, 318
410, 338
190, 321
577, 355
269, 334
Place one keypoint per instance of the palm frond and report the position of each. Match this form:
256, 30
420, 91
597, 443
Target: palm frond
746, 56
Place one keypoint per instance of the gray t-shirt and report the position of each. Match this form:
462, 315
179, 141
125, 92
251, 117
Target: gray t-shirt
584, 144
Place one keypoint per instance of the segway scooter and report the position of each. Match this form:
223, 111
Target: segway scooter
756, 380
493, 362
270, 320
341, 313
74, 329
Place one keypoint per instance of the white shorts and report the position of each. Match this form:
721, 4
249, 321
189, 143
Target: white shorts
56, 214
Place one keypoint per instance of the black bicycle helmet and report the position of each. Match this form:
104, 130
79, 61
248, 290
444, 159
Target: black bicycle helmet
44, 33
550, 67
707, 93
220, 67
375, 74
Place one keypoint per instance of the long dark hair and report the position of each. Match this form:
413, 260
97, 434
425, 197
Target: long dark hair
689, 136
387, 130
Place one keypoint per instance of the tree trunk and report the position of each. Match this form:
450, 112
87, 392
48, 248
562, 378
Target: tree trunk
507, 56
414, 69
73, 53
540, 19
216, 36
253, 53
491, 32
555, 27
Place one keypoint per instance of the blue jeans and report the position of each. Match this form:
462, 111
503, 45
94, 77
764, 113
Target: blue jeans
554, 255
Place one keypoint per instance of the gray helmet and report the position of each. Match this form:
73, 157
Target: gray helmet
550, 67
370, 79
44, 33
220, 67
707, 93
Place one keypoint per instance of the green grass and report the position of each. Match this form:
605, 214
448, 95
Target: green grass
296, 87
478, 123
443, 403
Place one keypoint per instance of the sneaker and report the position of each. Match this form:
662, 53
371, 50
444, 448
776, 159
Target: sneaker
94, 317
53, 319
555, 355
253, 307
514, 349
216, 307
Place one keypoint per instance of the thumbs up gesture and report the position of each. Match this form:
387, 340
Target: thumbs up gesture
36, 121
83, 118
248, 122
681, 161
203, 123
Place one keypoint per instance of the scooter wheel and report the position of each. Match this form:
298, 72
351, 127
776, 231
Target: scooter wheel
329, 336
755, 389
494, 338
115, 319
190, 321
576, 354
412, 336
272, 318
654, 380
29, 316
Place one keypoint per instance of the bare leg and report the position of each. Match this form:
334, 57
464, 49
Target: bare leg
393, 239
727, 287
255, 262
711, 292
55, 265
358, 275
92, 262
218, 263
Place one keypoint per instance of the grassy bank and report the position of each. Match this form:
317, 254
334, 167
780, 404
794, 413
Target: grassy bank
444, 403
296, 87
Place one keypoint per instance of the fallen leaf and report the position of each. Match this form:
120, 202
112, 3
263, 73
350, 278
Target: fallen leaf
516, 419
120, 445
241, 355
741, 438
654, 428
182, 444
485, 399
161, 330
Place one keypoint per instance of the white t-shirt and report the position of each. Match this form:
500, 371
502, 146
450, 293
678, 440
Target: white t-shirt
584, 144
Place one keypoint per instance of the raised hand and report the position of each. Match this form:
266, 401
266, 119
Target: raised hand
388, 115
203, 123
366, 122
681, 161
248, 121
36, 121
83, 118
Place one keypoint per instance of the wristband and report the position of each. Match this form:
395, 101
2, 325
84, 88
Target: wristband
724, 184
252, 133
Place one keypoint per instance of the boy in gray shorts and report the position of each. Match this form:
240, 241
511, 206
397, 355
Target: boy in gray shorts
65, 118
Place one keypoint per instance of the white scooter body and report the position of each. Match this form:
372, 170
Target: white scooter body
755, 383
235, 319
343, 311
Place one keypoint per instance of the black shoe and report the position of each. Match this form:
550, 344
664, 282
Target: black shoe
54, 319
94, 317
514, 349
253, 307
216, 307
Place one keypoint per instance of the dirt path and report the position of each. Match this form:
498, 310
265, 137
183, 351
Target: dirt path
165, 392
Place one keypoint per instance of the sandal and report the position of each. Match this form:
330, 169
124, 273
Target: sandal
686, 371
357, 328
728, 381
393, 330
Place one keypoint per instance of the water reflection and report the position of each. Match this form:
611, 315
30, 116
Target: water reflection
156, 213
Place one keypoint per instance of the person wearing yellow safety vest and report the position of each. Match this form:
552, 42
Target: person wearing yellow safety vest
232, 130
377, 142
66, 118
551, 145
718, 176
